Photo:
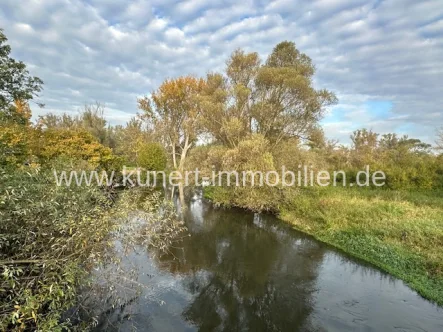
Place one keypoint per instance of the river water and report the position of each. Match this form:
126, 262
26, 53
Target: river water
239, 271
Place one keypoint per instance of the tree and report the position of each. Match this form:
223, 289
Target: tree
129, 139
276, 99
53, 121
14, 147
220, 120
16, 84
317, 141
364, 146
414, 145
287, 103
175, 112
389, 141
404, 144
15, 135
228, 99
17, 87
151, 156
363, 139
92, 119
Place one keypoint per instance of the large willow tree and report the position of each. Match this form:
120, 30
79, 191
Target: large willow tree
276, 99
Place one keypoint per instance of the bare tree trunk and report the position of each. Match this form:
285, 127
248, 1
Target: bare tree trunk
181, 167
174, 160
172, 192
181, 191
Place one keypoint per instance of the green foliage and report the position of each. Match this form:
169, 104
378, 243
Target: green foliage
398, 227
175, 111
151, 156
14, 144
16, 84
51, 237
47, 233
74, 145
129, 138
17, 87
276, 99
91, 119
251, 155
261, 117
408, 163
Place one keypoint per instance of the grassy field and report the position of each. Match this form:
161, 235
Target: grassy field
400, 232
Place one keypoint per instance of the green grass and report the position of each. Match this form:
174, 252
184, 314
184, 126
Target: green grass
400, 232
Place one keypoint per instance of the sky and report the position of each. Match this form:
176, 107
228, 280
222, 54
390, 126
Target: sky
383, 59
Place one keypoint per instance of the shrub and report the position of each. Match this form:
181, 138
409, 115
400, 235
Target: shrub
51, 237
151, 156
74, 145
47, 234
14, 146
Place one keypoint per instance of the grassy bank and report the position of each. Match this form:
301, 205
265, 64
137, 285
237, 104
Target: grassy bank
400, 232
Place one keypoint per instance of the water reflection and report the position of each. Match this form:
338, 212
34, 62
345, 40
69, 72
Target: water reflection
240, 271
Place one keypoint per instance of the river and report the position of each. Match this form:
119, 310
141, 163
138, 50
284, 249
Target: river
239, 271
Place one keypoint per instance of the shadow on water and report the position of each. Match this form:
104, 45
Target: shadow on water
240, 271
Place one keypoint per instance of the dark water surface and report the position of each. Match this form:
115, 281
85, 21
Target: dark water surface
240, 271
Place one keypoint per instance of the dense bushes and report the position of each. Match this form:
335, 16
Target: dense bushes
51, 237
151, 156
14, 144
408, 164
48, 234
252, 154
75, 145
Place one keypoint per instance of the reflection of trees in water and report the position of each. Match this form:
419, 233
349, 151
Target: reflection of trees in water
246, 272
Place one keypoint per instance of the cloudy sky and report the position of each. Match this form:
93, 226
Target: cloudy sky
383, 59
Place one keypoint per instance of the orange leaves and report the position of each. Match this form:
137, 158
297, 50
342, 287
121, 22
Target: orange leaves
180, 87
177, 95
75, 144
13, 143
23, 110
174, 109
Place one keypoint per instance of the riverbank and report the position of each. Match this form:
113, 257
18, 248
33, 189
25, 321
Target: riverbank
399, 232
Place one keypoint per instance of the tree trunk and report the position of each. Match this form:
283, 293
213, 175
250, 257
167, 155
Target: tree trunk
181, 192
181, 167
172, 192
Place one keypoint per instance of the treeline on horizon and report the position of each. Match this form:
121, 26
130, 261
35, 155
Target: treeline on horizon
272, 107
255, 116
